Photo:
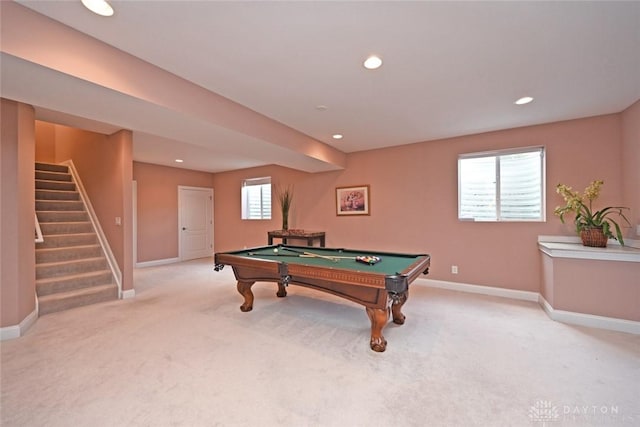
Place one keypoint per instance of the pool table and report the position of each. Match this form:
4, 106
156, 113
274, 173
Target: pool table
382, 287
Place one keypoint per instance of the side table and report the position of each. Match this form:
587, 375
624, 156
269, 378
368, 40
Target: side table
286, 235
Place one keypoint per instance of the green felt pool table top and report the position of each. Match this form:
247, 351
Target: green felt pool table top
389, 264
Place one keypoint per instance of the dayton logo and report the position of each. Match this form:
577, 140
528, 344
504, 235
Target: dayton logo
543, 412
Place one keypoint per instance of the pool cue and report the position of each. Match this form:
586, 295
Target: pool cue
311, 254
289, 249
330, 258
258, 254
338, 257
289, 255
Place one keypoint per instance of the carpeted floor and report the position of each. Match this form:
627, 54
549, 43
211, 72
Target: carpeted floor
182, 354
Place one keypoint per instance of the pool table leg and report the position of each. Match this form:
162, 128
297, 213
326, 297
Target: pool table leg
396, 307
378, 317
245, 290
282, 291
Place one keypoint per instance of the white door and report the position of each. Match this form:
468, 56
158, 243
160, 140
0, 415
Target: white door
195, 222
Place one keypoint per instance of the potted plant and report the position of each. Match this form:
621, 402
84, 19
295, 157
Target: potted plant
285, 197
594, 227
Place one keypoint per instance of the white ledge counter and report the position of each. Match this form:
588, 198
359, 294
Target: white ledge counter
568, 247
600, 286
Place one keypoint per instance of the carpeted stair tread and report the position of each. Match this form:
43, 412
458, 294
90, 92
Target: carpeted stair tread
52, 167
76, 298
64, 268
51, 194
65, 222
78, 227
45, 184
49, 264
62, 216
66, 240
59, 249
74, 276
53, 176
75, 281
62, 205
67, 253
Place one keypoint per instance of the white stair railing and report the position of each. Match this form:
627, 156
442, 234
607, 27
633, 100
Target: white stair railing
39, 238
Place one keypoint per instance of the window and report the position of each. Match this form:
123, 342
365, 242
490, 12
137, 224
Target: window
256, 198
505, 185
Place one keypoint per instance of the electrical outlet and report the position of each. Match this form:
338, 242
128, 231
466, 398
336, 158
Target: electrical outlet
118, 220
454, 269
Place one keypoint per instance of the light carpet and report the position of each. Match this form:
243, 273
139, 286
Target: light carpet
181, 353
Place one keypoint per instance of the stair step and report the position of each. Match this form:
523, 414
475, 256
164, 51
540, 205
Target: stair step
59, 205
46, 194
64, 240
62, 216
54, 176
51, 167
76, 281
76, 298
55, 185
65, 268
65, 228
48, 255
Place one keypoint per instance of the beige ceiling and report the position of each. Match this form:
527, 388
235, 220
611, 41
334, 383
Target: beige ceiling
450, 69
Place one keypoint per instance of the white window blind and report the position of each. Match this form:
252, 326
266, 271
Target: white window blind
256, 198
506, 185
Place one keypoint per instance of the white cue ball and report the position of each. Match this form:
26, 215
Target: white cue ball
275, 250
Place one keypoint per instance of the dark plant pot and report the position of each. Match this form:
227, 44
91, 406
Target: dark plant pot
285, 220
594, 237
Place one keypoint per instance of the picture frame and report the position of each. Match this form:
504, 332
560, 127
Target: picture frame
353, 200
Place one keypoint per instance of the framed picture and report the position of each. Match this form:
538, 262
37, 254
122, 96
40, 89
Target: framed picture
353, 200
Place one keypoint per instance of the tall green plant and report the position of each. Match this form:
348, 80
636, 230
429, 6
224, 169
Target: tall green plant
585, 216
285, 197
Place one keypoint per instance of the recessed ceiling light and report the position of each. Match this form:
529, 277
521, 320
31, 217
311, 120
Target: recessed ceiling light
372, 62
524, 100
321, 107
179, 160
337, 136
100, 7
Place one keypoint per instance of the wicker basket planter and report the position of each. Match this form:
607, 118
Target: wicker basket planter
594, 237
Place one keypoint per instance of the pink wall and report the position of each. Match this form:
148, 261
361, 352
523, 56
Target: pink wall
600, 288
17, 213
123, 141
414, 201
157, 207
631, 161
45, 142
232, 232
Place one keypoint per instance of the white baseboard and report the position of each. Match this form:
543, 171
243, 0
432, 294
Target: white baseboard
9, 332
129, 293
157, 262
484, 290
590, 320
16, 331
582, 319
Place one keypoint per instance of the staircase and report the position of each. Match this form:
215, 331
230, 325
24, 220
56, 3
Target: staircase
71, 268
